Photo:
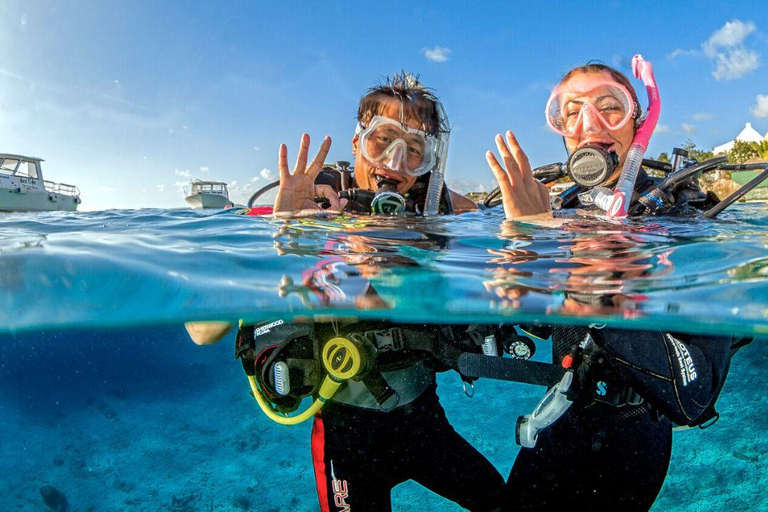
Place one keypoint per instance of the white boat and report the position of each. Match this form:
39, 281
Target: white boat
208, 194
23, 189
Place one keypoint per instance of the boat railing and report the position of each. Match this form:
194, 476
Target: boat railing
61, 188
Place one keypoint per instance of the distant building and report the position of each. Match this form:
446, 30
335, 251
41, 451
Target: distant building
748, 134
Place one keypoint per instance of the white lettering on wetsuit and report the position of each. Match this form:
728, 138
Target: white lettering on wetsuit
264, 329
340, 492
684, 359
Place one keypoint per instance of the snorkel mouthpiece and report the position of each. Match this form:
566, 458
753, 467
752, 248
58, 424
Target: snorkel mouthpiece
615, 205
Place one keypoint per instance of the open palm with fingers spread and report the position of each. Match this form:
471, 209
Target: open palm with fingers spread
297, 190
522, 195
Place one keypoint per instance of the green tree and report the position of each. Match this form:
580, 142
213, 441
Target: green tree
762, 151
697, 154
743, 151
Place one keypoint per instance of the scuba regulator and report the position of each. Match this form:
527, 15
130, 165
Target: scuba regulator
587, 167
385, 201
286, 363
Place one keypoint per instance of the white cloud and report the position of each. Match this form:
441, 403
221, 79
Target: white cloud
241, 193
204, 168
161, 187
679, 51
662, 128
689, 128
702, 117
183, 174
733, 33
761, 108
738, 63
267, 174
256, 148
436, 54
108, 189
726, 47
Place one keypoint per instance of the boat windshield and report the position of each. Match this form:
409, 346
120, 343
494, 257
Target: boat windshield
8, 165
16, 167
209, 188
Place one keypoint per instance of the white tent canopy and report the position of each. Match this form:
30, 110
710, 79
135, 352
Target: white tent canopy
748, 134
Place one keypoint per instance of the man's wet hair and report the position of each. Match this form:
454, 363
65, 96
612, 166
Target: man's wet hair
597, 67
416, 100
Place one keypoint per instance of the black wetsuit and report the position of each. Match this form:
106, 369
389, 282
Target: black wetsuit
384, 425
614, 456
611, 449
360, 454
361, 449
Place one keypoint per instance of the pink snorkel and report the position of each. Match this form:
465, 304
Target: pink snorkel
615, 204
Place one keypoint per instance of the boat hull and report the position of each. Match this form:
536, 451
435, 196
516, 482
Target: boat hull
22, 200
205, 201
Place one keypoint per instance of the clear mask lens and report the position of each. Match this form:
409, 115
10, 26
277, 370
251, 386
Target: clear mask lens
386, 141
606, 105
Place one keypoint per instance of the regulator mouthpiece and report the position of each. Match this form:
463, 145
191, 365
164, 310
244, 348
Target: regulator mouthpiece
591, 165
385, 184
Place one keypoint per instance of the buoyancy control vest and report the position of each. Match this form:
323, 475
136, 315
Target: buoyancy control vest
365, 364
679, 375
341, 179
651, 196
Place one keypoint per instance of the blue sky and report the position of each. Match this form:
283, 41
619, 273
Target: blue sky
129, 100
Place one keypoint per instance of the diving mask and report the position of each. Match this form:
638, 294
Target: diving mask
386, 141
588, 102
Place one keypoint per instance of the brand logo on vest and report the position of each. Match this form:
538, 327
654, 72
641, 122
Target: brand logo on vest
340, 492
602, 388
264, 329
684, 360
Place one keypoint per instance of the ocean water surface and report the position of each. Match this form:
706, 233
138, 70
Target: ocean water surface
104, 397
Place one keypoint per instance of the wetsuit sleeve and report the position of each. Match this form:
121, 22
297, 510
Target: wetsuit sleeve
681, 375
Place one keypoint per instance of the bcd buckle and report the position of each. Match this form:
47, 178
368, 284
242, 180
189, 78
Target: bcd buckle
387, 340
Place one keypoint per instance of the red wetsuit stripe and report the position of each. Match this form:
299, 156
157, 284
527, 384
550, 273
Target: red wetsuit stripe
318, 461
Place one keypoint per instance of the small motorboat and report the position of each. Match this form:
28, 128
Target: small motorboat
208, 194
23, 189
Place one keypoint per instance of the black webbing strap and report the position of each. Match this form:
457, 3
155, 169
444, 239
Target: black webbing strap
476, 365
430, 340
517, 370
377, 385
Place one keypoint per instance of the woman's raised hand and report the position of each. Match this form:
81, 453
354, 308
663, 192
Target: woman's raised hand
521, 194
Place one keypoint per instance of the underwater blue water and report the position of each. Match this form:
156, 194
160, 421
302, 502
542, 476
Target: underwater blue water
103, 395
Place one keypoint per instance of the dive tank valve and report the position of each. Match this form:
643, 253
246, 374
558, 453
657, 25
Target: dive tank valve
679, 159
